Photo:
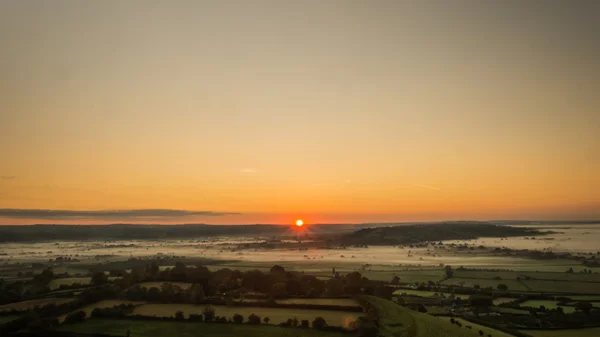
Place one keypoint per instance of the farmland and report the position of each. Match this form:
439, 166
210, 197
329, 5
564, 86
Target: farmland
186, 329
277, 315
26, 305
590, 332
398, 321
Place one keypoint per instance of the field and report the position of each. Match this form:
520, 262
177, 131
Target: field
395, 321
188, 329
56, 283
591, 332
321, 301
148, 285
547, 304
512, 285
501, 300
511, 311
422, 293
26, 305
477, 327
102, 304
277, 315
7, 318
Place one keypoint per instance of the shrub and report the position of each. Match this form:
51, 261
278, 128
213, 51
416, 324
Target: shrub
304, 323
209, 314
253, 319
195, 318
75, 317
319, 323
266, 320
179, 315
237, 318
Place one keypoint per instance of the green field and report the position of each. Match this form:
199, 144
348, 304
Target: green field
547, 304
397, 321
189, 329
101, 304
591, 332
25, 305
511, 311
422, 293
148, 285
477, 327
7, 318
277, 315
513, 285
501, 300
348, 302
563, 287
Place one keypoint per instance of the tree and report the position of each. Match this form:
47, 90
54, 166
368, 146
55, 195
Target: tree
480, 300
395, 280
196, 293
237, 318
253, 319
570, 270
319, 323
75, 317
279, 290
153, 294
266, 320
179, 315
295, 322
584, 306
449, 271
99, 278
304, 324
502, 287
335, 287
209, 314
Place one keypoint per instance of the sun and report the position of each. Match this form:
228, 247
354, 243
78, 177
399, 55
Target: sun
299, 222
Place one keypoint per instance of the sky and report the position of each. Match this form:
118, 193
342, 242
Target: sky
332, 111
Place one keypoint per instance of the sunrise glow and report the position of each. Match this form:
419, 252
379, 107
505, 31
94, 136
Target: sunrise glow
299, 223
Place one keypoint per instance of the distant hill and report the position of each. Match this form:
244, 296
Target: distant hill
433, 232
151, 232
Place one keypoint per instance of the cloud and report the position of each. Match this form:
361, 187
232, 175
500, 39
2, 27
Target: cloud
427, 186
104, 214
8, 177
248, 170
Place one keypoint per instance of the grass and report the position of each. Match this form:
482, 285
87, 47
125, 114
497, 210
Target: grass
477, 327
277, 315
562, 287
148, 285
348, 302
189, 329
8, 318
26, 305
501, 300
513, 285
101, 304
397, 321
56, 283
511, 311
585, 298
422, 293
590, 332
547, 304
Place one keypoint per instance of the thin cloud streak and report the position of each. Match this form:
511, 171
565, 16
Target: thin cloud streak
427, 186
50, 214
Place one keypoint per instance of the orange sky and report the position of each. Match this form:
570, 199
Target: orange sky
337, 111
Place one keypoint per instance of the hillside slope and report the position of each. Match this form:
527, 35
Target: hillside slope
398, 321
